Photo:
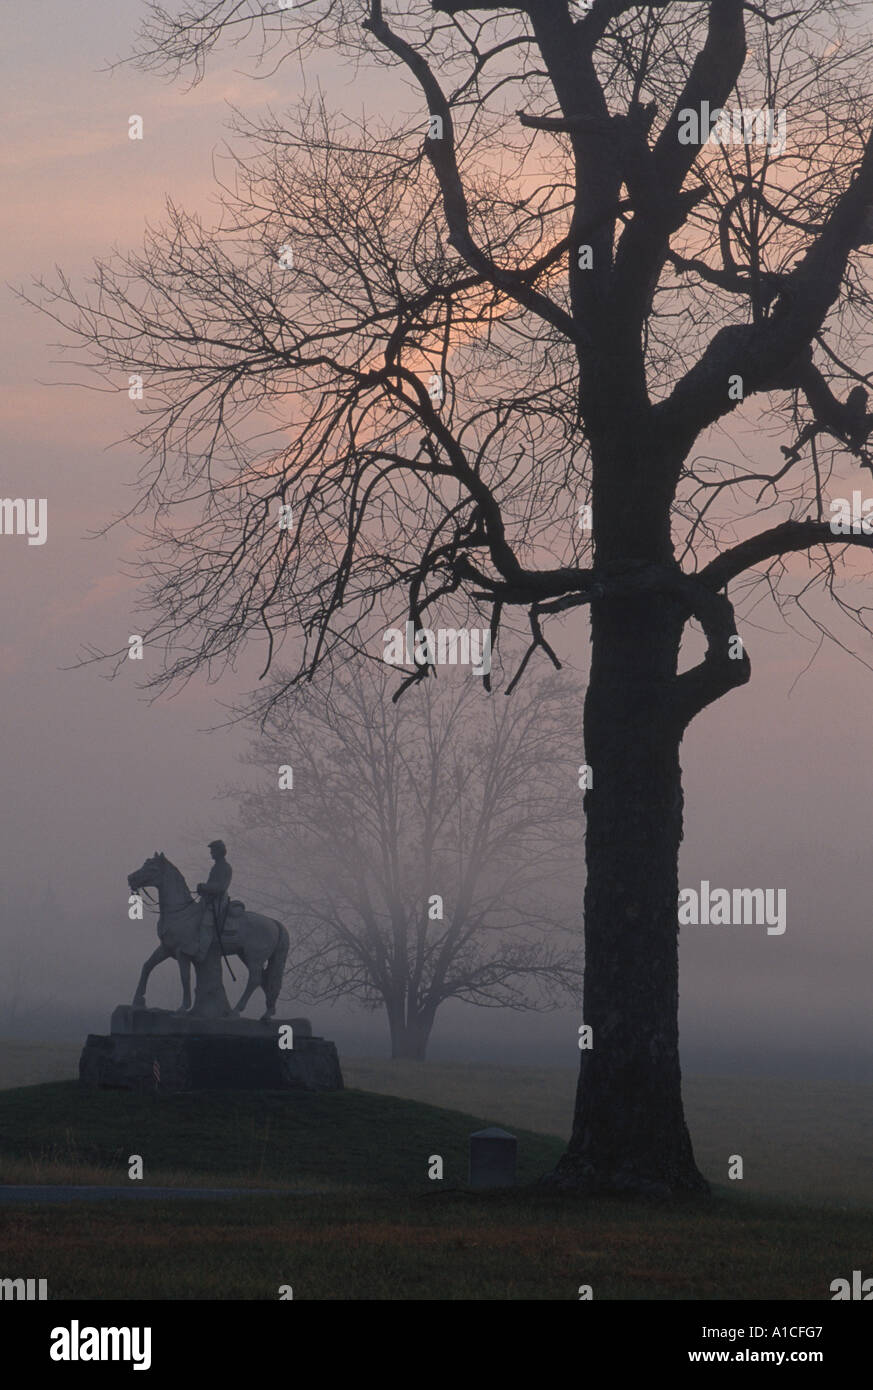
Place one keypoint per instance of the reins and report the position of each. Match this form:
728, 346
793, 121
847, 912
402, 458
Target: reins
167, 911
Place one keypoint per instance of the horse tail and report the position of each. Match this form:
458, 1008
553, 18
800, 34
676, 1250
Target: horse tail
275, 968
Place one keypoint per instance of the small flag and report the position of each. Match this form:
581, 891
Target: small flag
156, 1072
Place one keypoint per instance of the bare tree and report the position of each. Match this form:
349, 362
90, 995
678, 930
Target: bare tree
425, 848
596, 284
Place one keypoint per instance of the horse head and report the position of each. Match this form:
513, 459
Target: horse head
151, 875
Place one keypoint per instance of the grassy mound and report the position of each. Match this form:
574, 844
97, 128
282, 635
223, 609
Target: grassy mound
63, 1133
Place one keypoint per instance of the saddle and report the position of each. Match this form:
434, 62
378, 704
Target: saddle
235, 909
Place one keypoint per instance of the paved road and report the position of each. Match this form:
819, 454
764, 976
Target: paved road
23, 1192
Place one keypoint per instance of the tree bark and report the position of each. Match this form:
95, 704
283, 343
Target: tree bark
410, 1037
629, 1130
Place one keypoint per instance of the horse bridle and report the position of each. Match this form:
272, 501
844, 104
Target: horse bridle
168, 911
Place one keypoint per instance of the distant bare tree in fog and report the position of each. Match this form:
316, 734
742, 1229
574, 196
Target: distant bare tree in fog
394, 804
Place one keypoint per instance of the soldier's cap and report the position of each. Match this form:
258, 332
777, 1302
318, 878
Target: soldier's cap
217, 844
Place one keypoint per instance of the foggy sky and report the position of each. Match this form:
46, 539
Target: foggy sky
778, 774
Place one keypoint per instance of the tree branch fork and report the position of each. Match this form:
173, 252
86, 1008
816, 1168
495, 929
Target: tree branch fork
702, 596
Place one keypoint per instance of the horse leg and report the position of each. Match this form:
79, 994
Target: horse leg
159, 954
185, 974
274, 971
255, 974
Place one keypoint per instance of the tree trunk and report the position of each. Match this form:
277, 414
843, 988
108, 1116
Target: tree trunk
629, 1130
410, 1037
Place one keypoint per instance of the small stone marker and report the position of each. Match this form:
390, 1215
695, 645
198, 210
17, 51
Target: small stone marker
492, 1158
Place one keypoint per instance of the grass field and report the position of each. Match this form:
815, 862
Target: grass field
434, 1246
368, 1224
377, 1228
812, 1141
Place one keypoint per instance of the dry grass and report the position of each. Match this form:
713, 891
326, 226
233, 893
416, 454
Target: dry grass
438, 1246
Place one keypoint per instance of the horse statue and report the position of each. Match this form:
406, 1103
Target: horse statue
260, 942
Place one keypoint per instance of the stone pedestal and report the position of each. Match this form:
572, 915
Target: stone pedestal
155, 1050
148, 1022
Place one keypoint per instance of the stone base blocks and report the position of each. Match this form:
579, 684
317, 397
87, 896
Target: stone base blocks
156, 1050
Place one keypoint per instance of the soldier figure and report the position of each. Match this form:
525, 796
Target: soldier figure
214, 890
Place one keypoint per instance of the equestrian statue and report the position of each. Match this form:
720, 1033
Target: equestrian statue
207, 931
